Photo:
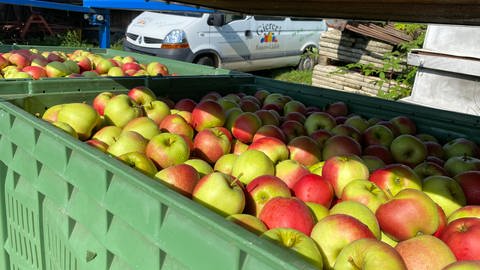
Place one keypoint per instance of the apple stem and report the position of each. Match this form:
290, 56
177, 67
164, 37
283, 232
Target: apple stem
352, 262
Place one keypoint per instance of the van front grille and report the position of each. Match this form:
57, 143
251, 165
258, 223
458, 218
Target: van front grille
152, 40
132, 36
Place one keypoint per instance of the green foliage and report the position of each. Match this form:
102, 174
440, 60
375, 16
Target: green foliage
73, 38
296, 76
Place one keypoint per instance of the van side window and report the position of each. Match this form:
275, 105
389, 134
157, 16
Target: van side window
233, 17
305, 19
268, 18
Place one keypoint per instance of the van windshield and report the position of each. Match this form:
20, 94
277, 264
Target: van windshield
182, 13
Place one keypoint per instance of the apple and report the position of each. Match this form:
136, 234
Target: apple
425, 252
227, 103
409, 213
317, 168
369, 254
182, 178
319, 120
206, 114
379, 151
408, 149
292, 129
98, 144
103, 66
56, 69
120, 110
340, 170
128, 59
295, 116
444, 191
459, 164
210, 144
321, 136
108, 134
470, 183
318, 211
35, 72
346, 130
463, 265
176, 124
290, 171
428, 168
338, 108
274, 148
461, 147
66, 127
83, 63
396, 177
261, 189
462, 236
277, 99
378, 134
373, 163
157, 69
434, 149
89, 74
251, 164
167, 149
365, 192
360, 212
435, 160
245, 126
225, 163
72, 66
358, 122
340, 145
20, 60
143, 126
314, 188
128, 141
334, 232
268, 117
269, 131
249, 222
248, 105
294, 106
101, 100
83, 118
287, 212
238, 147
261, 94
221, 193
185, 104
131, 66
404, 125
3, 62
141, 95
304, 150
466, 211
297, 241
442, 222
140, 162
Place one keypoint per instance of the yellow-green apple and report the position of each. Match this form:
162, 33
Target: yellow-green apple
141, 72
120, 110
238, 147
268, 117
248, 105
83, 118
425, 137
373, 163
369, 254
434, 149
365, 192
409, 213
304, 150
425, 252
290, 171
227, 103
245, 126
225, 163
167, 149
98, 144
466, 211
461, 147
230, 117
459, 164
233, 96
358, 122
295, 116
344, 129
318, 211
314, 188
386, 239
156, 68
185, 104
378, 134
360, 212
319, 120
185, 114
292, 129
395, 177
90, 74
470, 183
335, 232
277, 99
56, 69
261, 189
176, 124
17, 75
463, 265
210, 144
404, 124
408, 149
297, 241
221, 193
101, 100
156, 110
274, 148
341, 170
35, 72
108, 134
202, 167
248, 222
83, 63
143, 126
340, 145
103, 65
379, 151
66, 127
140, 162
72, 66
317, 168
261, 94
142, 95
321, 136
181, 177
269, 131
428, 168
251, 164
294, 106
287, 212
206, 114
338, 108
445, 191
128, 141
128, 59
463, 237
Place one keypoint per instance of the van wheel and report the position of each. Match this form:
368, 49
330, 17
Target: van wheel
206, 61
307, 62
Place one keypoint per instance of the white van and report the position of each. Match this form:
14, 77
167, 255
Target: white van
230, 41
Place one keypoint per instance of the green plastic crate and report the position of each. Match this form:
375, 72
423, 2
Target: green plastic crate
68, 206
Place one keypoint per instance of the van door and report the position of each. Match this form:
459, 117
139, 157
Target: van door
231, 40
268, 42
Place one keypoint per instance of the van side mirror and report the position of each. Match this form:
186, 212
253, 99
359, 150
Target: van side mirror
216, 19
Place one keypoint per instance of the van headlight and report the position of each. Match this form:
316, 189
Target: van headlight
175, 39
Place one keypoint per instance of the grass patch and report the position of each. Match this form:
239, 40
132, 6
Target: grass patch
287, 75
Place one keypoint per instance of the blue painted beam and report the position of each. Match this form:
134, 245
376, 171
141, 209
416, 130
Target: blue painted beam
50, 5
141, 5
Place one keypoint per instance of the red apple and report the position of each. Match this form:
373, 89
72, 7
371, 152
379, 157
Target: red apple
395, 177
463, 238
305, 150
341, 170
176, 124
379, 151
274, 148
245, 127
404, 125
182, 178
35, 72
292, 129
101, 100
185, 104
340, 145
207, 114
290, 171
261, 189
141, 95
470, 183
338, 108
269, 131
314, 188
210, 144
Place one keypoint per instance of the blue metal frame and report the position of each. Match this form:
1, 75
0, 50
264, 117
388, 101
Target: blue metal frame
101, 9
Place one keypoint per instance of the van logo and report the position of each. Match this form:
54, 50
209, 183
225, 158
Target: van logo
268, 37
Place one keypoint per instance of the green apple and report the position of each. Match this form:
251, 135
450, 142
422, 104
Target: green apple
360, 212
66, 127
83, 118
143, 126
167, 149
72, 66
249, 222
120, 110
365, 192
388, 240
446, 192
408, 149
225, 163
221, 193
465, 212
51, 113
463, 265
319, 211
251, 164
128, 141
108, 134
156, 110
140, 162
57, 69
458, 164
202, 167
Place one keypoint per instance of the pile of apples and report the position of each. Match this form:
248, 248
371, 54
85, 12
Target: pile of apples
33, 64
341, 190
